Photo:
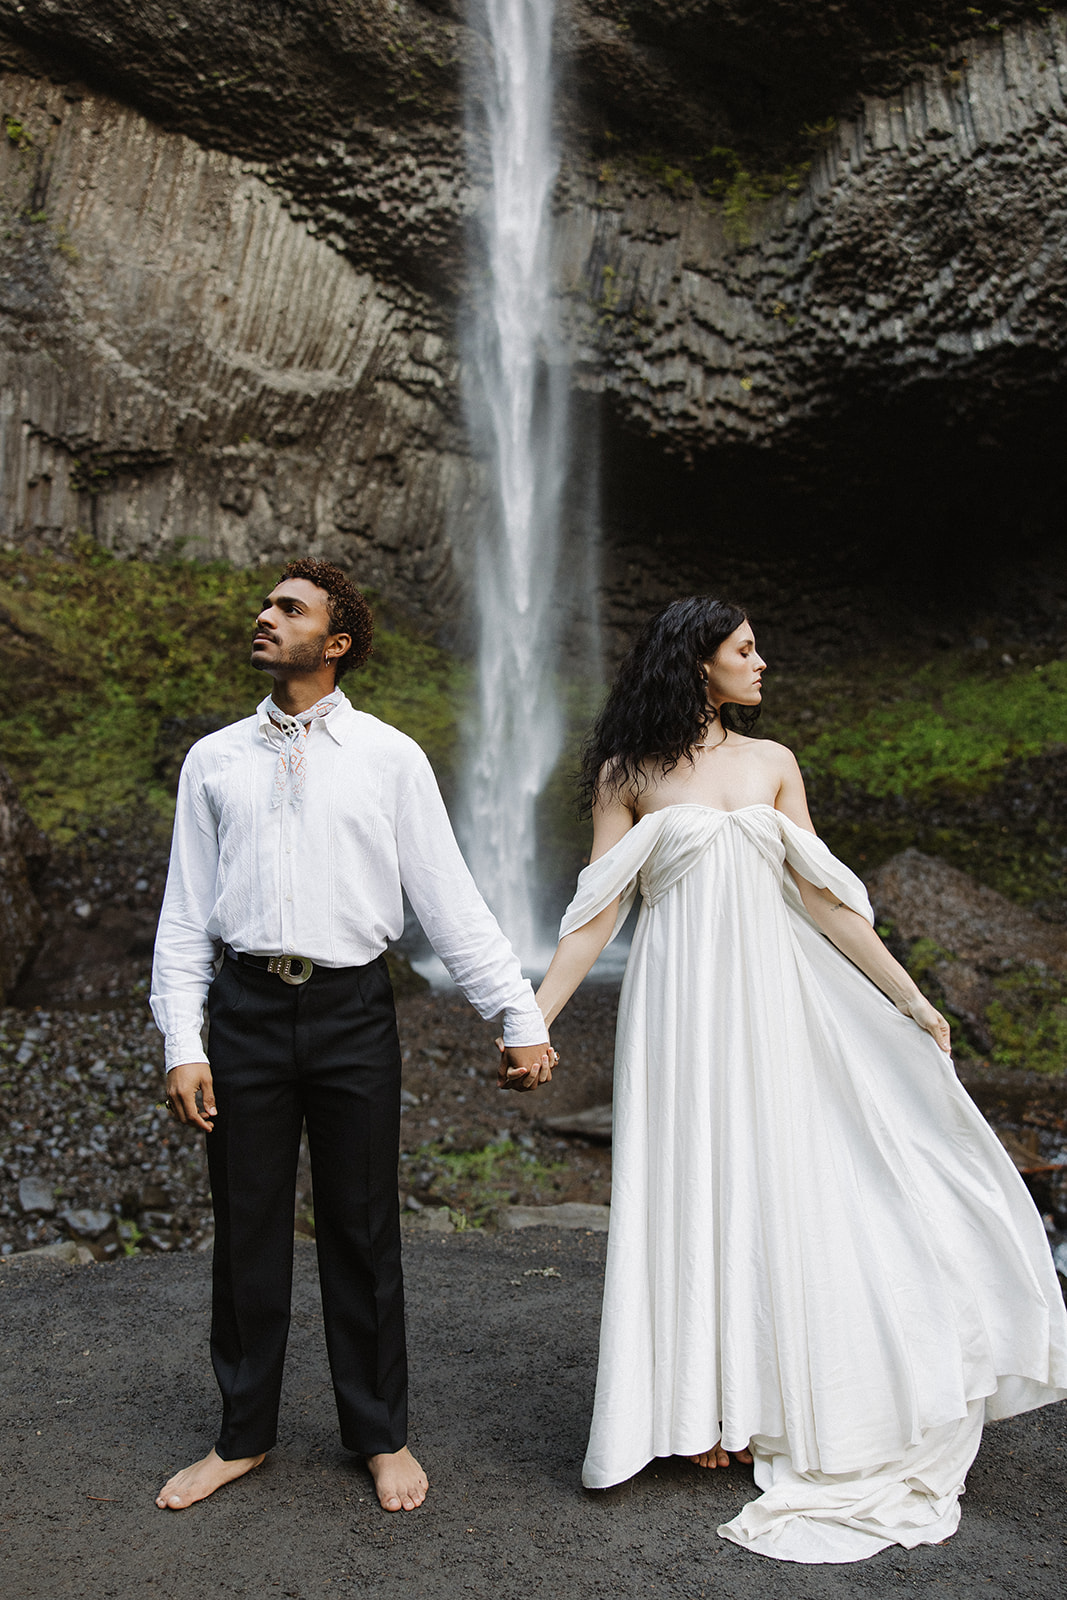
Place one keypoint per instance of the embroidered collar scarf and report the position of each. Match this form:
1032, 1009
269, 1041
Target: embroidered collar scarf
291, 770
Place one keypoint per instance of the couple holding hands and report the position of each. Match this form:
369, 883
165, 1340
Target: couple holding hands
820, 1258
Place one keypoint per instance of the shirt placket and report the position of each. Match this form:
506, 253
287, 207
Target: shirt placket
285, 876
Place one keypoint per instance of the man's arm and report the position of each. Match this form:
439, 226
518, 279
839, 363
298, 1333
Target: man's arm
185, 953
462, 929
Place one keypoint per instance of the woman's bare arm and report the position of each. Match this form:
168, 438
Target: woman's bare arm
575, 954
851, 933
855, 938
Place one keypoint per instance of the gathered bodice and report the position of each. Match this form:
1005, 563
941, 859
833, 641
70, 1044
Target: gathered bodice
665, 845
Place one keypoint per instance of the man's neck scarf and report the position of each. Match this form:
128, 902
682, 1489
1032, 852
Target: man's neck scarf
291, 770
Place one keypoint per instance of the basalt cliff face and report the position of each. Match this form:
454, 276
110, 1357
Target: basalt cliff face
811, 265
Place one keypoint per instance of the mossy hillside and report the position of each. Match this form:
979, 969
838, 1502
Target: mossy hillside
958, 755
98, 654
943, 727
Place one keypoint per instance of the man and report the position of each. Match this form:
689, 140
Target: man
295, 832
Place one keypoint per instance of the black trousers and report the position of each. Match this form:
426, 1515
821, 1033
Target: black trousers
325, 1053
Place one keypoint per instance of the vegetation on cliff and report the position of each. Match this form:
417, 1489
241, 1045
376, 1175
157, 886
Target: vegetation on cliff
117, 662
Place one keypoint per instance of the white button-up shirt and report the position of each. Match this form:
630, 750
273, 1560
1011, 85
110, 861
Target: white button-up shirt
323, 880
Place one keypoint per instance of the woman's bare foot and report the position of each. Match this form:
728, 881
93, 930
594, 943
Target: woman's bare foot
399, 1480
717, 1457
201, 1479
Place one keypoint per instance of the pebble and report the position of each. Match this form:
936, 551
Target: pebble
87, 1223
36, 1195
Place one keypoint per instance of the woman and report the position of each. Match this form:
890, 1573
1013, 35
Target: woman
818, 1248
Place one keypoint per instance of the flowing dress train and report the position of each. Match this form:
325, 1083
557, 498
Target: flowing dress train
817, 1244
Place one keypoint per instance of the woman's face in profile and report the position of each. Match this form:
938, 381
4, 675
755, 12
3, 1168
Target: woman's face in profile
734, 672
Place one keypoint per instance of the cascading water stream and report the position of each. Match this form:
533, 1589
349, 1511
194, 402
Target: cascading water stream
516, 394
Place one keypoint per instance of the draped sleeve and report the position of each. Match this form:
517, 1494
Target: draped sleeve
812, 860
615, 873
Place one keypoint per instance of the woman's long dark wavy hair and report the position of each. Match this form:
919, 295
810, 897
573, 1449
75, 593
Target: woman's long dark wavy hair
657, 708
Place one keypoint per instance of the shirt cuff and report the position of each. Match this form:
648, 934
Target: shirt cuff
182, 1047
524, 1025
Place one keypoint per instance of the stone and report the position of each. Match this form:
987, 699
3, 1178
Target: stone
595, 1123
431, 1219
571, 1214
35, 1194
68, 1250
87, 1223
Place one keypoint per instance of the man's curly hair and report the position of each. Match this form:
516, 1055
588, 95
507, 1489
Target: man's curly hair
349, 612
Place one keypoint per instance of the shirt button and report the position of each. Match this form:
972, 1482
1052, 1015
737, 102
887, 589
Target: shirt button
288, 897
288, 849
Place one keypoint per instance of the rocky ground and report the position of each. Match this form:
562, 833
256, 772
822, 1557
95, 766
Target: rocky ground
86, 1151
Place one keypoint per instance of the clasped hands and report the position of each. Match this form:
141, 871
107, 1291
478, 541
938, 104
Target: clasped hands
525, 1066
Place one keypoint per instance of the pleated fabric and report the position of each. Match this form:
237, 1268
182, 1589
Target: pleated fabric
817, 1243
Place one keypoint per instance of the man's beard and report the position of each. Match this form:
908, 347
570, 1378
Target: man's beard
299, 658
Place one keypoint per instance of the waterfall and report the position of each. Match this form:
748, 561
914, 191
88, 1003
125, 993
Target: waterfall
516, 395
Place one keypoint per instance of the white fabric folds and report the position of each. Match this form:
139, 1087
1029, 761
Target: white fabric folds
817, 1243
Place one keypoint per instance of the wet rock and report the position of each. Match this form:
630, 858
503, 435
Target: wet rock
86, 1222
35, 1194
572, 1214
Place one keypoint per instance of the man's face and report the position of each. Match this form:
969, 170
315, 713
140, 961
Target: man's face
292, 629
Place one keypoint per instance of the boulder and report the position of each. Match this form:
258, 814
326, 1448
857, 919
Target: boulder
925, 898
973, 937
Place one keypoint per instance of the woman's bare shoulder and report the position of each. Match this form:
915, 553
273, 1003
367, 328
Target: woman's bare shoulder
775, 755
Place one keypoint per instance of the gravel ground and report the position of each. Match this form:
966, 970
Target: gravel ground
109, 1390
81, 1131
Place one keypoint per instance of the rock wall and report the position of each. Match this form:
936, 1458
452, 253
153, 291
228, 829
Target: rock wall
233, 256
924, 245
184, 366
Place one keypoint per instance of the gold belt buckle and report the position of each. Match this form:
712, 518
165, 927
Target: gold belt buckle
282, 967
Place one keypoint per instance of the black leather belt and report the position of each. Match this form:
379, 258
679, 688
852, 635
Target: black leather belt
281, 966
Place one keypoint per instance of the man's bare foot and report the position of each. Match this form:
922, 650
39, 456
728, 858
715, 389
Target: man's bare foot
717, 1457
399, 1480
201, 1479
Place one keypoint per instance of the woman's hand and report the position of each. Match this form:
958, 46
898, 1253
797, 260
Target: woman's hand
919, 1009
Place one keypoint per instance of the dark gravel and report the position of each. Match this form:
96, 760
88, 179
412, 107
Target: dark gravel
109, 1389
79, 1111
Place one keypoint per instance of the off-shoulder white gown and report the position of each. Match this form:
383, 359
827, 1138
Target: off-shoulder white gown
817, 1244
